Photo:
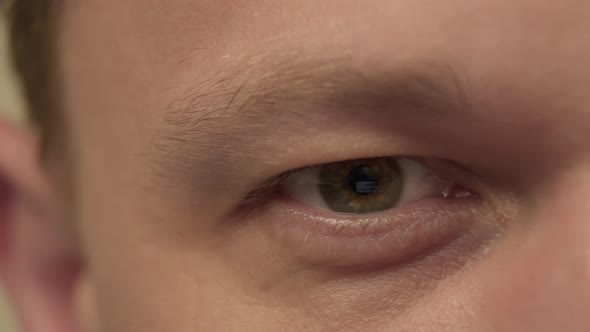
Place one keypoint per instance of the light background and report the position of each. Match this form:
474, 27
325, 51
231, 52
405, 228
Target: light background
10, 107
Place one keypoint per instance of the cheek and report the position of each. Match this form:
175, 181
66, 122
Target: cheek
158, 293
533, 282
85, 305
148, 281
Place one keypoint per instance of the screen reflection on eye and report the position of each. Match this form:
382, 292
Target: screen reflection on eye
372, 211
365, 186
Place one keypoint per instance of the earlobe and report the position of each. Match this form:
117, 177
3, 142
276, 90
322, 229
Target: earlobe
38, 265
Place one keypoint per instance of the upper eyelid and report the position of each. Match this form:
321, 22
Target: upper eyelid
301, 91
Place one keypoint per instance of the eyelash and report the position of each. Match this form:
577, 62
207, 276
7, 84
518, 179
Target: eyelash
326, 238
444, 169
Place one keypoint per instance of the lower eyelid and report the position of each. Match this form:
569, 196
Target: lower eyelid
372, 239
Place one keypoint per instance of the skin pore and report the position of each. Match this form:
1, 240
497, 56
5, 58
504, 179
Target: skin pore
185, 116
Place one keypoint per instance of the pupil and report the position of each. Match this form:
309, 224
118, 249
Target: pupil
363, 180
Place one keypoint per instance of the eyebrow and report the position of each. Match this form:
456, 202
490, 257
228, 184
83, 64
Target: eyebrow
223, 121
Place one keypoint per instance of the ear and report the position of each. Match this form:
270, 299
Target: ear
38, 266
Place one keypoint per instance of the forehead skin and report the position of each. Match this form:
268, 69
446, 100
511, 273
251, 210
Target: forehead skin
159, 264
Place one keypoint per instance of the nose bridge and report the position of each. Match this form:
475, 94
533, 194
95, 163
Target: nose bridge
541, 278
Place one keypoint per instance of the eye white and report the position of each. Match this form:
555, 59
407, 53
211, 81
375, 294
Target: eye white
418, 182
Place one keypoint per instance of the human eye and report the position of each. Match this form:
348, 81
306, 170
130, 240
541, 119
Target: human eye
375, 211
366, 186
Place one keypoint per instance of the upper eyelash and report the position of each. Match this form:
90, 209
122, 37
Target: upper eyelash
263, 190
258, 195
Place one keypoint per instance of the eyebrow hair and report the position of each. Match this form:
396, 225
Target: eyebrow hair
224, 120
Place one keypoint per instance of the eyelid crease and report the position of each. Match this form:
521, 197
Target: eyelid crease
267, 187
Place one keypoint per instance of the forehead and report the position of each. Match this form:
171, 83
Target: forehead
126, 62
472, 31
162, 43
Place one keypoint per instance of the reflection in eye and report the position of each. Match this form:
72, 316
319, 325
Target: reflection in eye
361, 186
365, 185
370, 212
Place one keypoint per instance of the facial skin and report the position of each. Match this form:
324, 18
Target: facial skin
179, 110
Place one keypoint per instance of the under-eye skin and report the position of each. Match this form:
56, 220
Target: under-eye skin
372, 212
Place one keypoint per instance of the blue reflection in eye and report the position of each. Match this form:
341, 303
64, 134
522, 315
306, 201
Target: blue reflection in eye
363, 180
366, 187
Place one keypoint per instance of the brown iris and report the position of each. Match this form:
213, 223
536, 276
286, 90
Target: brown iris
361, 186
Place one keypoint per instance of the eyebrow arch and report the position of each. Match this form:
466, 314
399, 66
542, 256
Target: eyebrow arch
222, 121
416, 87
